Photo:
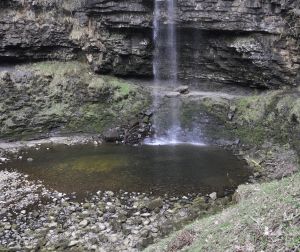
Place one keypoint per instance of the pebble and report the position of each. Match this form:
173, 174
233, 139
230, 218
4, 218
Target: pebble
146, 215
154, 230
52, 225
7, 226
135, 232
83, 223
101, 227
110, 193
213, 196
73, 243
114, 238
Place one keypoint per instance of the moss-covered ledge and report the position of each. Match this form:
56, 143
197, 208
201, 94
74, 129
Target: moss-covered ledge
65, 97
262, 128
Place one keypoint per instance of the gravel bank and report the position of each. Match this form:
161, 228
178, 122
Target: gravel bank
35, 218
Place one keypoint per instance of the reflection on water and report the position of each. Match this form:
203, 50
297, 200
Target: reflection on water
175, 169
6, 67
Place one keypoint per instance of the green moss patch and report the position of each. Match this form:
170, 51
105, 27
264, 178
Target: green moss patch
66, 97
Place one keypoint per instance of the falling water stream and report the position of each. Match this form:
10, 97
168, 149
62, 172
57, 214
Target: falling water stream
172, 47
165, 68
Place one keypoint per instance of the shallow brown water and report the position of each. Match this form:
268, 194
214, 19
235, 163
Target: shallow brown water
174, 169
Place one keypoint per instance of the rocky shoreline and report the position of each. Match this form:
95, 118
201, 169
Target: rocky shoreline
35, 218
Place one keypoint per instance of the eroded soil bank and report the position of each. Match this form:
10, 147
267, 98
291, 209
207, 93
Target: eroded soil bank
266, 218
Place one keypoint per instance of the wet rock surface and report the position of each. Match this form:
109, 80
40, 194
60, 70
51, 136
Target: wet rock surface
133, 133
33, 217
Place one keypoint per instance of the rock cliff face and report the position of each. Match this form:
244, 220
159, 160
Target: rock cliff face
254, 43
251, 43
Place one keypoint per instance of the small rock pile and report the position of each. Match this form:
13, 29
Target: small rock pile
133, 133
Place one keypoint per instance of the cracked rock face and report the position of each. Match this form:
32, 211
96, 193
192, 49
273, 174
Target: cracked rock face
251, 43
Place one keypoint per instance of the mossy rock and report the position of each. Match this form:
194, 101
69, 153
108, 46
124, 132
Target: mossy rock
65, 97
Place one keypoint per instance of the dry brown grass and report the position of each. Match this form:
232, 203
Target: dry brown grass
183, 239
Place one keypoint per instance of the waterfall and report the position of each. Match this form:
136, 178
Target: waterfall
156, 56
167, 125
165, 65
173, 69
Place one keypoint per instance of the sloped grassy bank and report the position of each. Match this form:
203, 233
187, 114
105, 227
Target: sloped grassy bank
266, 218
264, 130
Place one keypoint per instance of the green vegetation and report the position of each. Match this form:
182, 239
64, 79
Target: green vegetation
122, 87
256, 119
59, 68
266, 218
272, 115
81, 71
66, 97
